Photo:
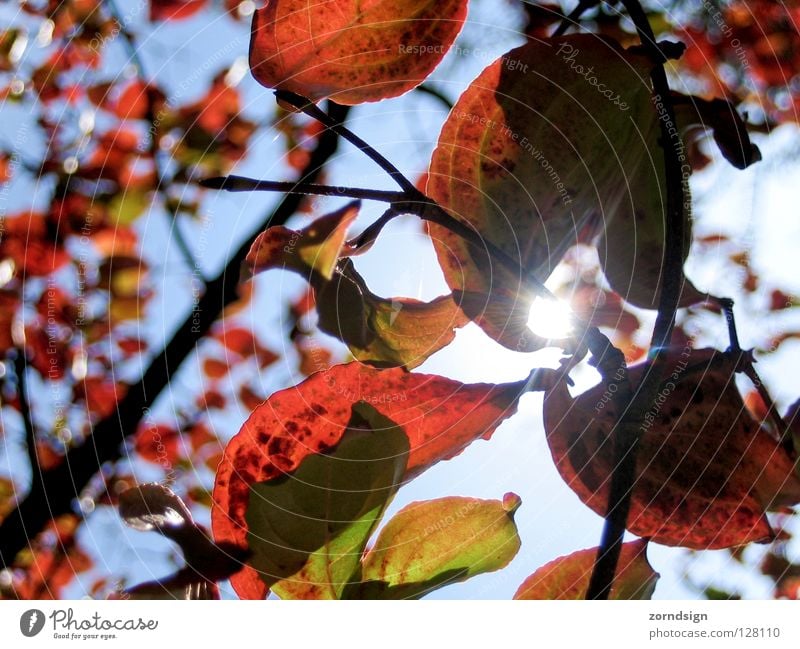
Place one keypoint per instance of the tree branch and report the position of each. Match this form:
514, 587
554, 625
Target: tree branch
20, 367
312, 110
573, 16
53, 491
629, 422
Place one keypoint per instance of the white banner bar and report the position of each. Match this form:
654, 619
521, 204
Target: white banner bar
399, 625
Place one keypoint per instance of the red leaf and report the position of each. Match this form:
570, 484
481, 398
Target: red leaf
101, 396
214, 368
351, 51
211, 400
706, 471
175, 9
238, 340
158, 444
131, 346
568, 577
537, 155
441, 417
250, 400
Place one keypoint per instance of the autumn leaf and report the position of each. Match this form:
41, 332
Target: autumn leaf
568, 577
393, 331
175, 9
351, 51
439, 542
440, 417
555, 138
315, 249
158, 444
307, 530
706, 472
720, 116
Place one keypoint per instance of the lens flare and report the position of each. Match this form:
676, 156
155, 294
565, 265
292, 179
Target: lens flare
550, 318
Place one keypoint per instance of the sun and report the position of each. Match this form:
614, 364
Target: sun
550, 318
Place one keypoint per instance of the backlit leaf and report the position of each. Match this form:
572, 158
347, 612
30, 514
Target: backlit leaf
308, 529
351, 51
440, 417
393, 331
439, 542
396, 331
706, 470
568, 577
555, 139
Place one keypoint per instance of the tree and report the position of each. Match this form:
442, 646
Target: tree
561, 175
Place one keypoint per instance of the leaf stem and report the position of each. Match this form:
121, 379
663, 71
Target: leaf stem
243, 184
312, 110
629, 422
572, 18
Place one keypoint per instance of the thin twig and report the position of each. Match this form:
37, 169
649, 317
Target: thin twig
573, 16
312, 110
747, 367
405, 202
427, 89
629, 423
243, 184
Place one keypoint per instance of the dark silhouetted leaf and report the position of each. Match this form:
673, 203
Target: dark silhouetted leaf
706, 470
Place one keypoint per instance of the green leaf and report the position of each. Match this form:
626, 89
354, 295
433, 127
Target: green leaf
128, 206
307, 530
439, 542
568, 577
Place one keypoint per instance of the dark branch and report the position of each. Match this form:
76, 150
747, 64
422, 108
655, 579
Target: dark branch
629, 423
573, 16
20, 367
52, 493
243, 184
312, 110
